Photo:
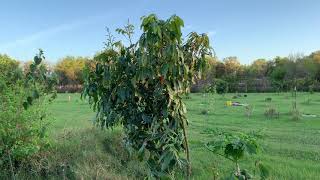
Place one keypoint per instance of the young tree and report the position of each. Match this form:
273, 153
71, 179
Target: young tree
141, 87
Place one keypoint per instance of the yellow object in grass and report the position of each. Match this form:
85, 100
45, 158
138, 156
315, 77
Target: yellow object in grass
229, 103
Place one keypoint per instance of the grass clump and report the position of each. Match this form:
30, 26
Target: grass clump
248, 111
271, 112
268, 99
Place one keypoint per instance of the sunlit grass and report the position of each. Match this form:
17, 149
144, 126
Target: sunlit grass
290, 148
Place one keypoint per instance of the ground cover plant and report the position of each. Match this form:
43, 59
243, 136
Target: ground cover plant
235, 147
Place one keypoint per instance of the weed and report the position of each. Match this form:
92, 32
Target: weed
296, 114
268, 99
271, 112
248, 111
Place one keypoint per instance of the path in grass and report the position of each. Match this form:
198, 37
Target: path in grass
291, 148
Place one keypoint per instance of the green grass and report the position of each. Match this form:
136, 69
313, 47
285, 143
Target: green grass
290, 148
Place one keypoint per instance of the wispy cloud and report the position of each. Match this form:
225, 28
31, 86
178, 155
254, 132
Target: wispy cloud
28, 39
188, 26
212, 33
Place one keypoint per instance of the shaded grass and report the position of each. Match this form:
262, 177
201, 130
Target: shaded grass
84, 154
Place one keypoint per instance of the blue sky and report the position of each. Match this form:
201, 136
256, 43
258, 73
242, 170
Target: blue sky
248, 29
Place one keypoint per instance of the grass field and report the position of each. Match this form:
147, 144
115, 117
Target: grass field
290, 148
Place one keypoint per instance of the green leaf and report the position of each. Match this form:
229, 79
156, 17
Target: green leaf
29, 100
37, 60
164, 69
25, 105
168, 157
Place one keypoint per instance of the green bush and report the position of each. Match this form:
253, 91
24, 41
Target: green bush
218, 86
23, 115
22, 132
211, 88
221, 86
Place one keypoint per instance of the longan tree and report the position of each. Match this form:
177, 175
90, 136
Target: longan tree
141, 87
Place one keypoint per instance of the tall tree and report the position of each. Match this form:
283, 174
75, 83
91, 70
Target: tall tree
70, 70
315, 56
232, 64
259, 68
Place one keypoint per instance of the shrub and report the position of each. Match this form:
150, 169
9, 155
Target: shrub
271, 112
211, 88
311, 89
22, 132
221, 86
22, 115
218, 86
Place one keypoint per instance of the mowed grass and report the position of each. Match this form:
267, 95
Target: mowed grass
290, 148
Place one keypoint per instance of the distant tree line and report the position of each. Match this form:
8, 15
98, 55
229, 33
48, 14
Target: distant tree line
277, 75
69, 71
